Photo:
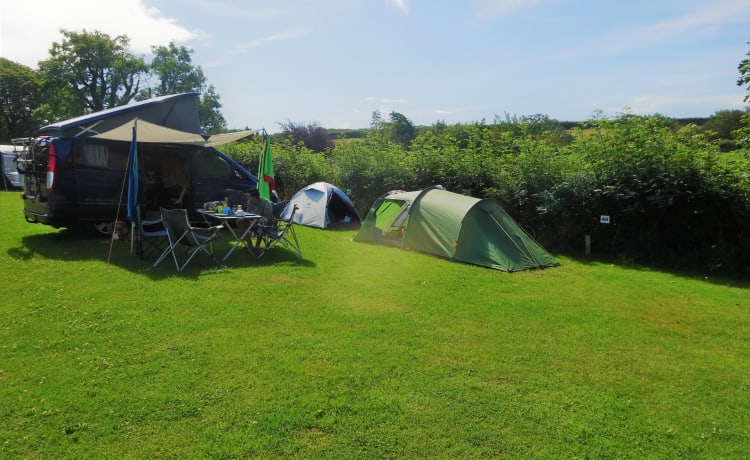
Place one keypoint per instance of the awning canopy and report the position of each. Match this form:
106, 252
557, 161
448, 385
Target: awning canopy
153, 133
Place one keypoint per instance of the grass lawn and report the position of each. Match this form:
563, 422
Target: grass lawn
360, 351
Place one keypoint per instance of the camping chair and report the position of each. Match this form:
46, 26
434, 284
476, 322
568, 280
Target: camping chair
181, 233
280, 231
151, 234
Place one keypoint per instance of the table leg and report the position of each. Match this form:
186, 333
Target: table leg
240, 239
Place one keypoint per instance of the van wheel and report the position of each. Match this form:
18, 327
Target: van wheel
104, 228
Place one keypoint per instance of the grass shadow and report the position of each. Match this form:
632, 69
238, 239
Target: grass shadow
75, 245
738, 280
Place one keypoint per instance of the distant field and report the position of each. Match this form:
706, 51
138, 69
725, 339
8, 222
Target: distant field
360, 351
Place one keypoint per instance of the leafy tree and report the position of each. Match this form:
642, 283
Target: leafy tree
377, 134
88, 72
402, 131
313, 136
174, 69
744, 68
722, 125
19, 96
212, 121
743, 134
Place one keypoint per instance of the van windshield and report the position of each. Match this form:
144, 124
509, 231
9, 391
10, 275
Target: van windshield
209, 165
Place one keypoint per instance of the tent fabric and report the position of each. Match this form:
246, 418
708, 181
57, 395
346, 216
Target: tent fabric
152, 133
226, 138
453, 226
322, 205
176, 111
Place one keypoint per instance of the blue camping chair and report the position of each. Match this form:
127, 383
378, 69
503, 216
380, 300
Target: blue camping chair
151, 234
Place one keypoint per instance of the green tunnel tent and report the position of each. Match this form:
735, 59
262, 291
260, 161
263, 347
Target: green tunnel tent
453, 226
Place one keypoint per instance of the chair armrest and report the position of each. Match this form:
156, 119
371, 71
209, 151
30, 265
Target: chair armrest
151, 222
212, 229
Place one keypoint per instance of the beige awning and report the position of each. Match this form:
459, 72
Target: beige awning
225, 138
150, 132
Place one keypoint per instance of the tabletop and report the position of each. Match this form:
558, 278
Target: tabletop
236, 215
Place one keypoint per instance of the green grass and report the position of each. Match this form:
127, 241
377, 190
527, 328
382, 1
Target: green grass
360, 351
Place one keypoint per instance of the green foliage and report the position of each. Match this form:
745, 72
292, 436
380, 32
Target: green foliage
368, 170
20, 94
89, 72
209, 113
313, 136
173, 67
665, 187
721, 127
744, 79
175, 71
401, 129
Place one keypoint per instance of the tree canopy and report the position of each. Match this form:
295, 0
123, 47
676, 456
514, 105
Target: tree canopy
19, 97
175, 72
744, 79
88, 72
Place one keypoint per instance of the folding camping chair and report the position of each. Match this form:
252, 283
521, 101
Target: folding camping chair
181, 233
151, 234
280, 231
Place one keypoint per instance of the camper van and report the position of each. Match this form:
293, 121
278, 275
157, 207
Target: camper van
76, 174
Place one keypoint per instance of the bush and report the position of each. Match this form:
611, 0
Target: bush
673, 200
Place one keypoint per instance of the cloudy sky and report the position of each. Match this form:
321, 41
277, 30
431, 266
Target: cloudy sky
335, 62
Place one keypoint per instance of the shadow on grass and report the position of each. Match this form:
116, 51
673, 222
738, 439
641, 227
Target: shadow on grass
80, 246
738, 280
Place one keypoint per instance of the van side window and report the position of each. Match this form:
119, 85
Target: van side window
95, 156
101, 156
209, 165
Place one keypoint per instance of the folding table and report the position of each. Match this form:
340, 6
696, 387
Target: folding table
227, 219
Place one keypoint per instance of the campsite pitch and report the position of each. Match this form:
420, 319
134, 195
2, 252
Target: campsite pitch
360, 351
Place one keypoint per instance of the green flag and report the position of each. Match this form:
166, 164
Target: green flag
266, 183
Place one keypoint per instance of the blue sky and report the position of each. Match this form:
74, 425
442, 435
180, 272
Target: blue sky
334, 62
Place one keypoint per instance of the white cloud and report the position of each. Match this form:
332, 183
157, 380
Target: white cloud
488, 9
706, 21
262, 41
29, 27
402, 5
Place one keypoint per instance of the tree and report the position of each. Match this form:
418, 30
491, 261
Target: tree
212, 121
744, 69
722, 125
402, 130
88, 72
313, 136
173, 67
743, 134
19, 96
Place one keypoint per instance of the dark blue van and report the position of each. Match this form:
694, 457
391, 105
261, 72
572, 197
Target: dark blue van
74, 177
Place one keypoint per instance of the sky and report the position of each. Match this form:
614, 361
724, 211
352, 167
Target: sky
335, 62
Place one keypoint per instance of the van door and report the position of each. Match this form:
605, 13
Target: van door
100, 169
214, 174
